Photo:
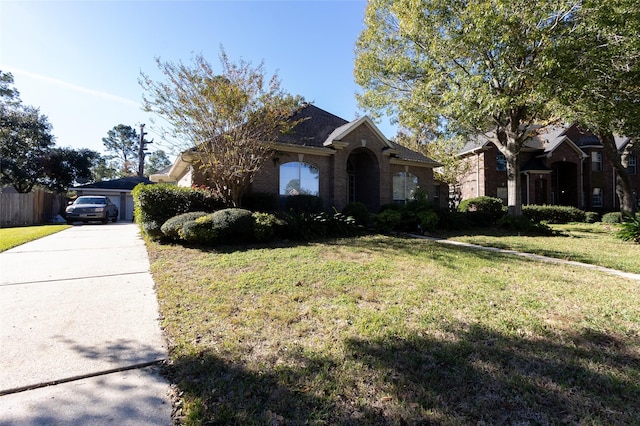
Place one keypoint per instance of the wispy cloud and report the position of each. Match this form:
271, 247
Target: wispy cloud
71, 86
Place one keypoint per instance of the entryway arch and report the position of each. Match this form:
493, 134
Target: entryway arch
363, 178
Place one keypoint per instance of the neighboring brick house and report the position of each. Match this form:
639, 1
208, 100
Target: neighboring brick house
337, 160
559, 165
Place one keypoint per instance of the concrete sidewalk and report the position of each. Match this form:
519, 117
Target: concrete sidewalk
537, 257
80, 338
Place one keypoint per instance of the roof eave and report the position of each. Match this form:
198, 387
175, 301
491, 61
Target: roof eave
405, 162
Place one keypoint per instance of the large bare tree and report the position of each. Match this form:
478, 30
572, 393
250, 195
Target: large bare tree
225, 119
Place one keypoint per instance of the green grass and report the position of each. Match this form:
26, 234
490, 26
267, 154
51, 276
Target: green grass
595, 244
12, 237
381, 330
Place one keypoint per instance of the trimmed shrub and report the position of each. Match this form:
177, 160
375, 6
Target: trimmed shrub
233, 225
200, 231
266, 226
160, 202
152, 228
613, 217
303, 203
260, 201
486, 210
315, 226
481, 219
427, 220
553, 214
453, 220
416, 216
227, 226
390, 206
524, 224
172, 228
592, 217
358, 211
387, 220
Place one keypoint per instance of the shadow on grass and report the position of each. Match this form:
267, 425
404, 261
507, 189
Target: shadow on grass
473, 376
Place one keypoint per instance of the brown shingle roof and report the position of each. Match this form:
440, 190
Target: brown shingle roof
315, 127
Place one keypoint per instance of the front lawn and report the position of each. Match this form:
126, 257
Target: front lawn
381, 330
588, 243
12, 237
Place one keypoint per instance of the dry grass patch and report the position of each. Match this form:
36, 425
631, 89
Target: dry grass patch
380, 330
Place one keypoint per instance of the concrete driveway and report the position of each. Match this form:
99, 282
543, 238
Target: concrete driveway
80, 339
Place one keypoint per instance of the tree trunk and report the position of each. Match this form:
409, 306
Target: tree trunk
624, 190
514, 195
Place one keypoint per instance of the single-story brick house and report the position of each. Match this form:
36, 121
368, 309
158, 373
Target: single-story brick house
118, 191
338, 160
559, 165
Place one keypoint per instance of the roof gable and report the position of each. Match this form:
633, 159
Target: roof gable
343, 131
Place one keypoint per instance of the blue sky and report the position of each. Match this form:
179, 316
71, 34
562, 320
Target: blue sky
79, 61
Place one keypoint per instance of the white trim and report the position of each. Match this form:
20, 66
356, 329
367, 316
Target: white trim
299, 149
403, 162
342, 131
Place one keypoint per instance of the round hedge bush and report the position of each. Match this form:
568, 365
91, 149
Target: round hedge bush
612, 217
484, 210
227, 226
172, 228
358, 211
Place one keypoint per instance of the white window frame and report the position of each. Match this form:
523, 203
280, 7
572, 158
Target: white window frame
301, 166
596, 197
408, 189
501, 162
596, 161
632, 164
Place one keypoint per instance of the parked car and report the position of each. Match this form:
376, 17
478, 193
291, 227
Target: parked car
91, 208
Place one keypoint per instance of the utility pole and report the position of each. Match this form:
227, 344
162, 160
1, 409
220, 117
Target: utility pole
142, 146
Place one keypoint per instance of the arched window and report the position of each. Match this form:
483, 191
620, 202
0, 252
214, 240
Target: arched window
404, 187
299, 178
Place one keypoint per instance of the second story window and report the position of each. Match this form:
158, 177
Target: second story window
501, 162
596, 161
631, 164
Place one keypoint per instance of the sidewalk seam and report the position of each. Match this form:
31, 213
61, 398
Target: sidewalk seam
75, 278
81, 377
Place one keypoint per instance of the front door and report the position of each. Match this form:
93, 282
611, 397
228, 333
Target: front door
363, 179
540, 195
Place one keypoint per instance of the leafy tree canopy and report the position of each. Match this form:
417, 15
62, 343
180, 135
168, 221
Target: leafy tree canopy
158, 160
65, 166
28, 156
596, 80
225, 119
121, 144
473, 66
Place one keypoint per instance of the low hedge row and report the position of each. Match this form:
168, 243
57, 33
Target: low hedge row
198, 216
554, 214
240, 226
155, 204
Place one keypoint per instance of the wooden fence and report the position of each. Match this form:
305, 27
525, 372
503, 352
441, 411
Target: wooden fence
34, 208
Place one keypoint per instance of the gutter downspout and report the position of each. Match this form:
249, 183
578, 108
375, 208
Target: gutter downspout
614, 196
478, 174
582, 194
